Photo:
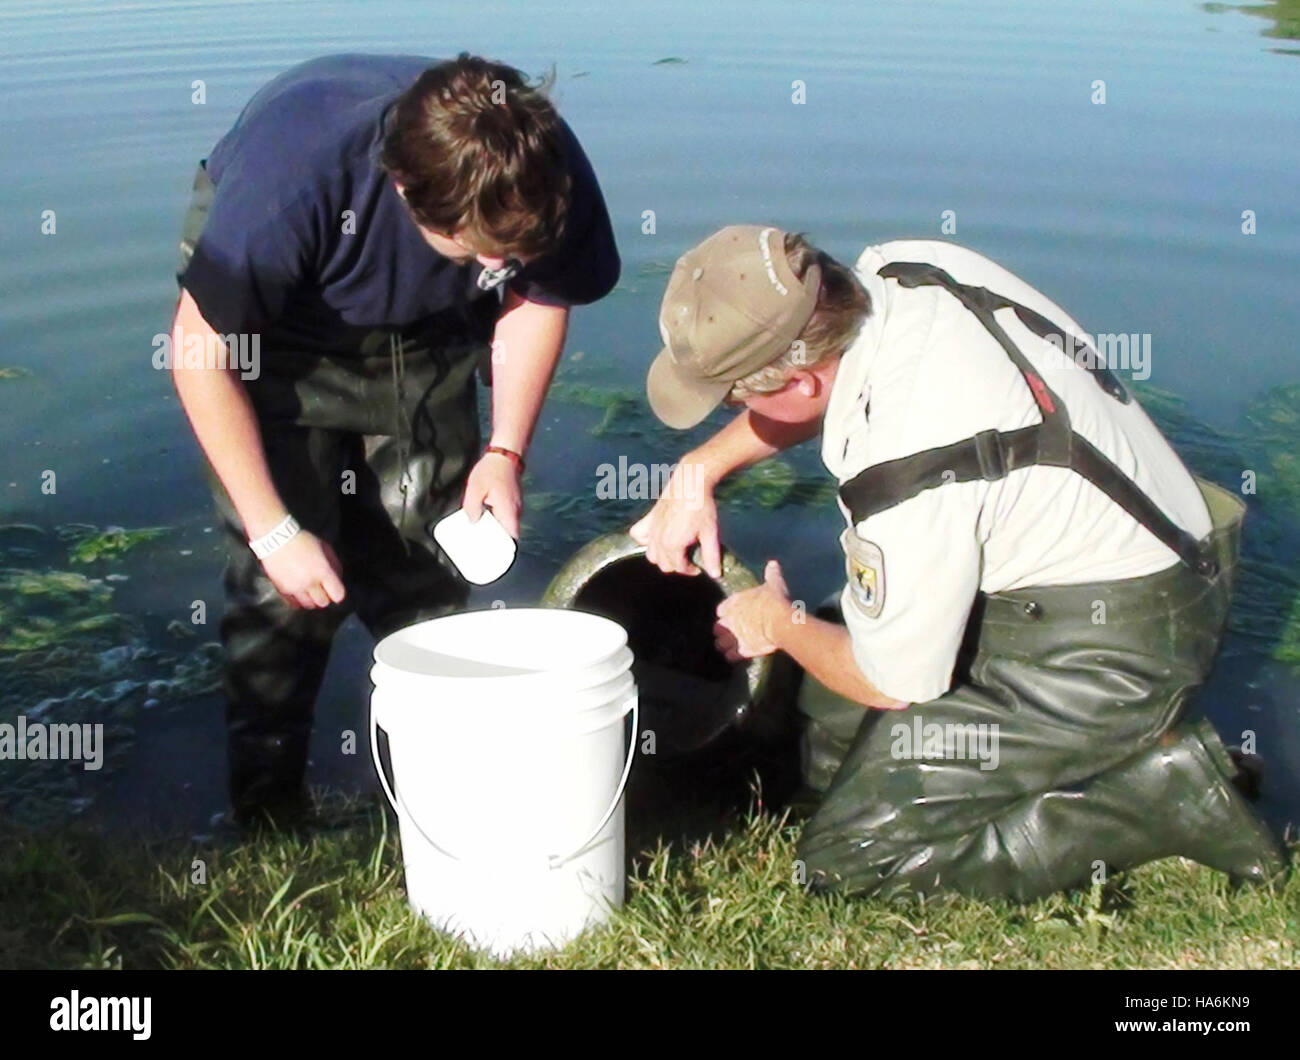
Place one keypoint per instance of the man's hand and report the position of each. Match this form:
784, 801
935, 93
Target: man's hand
306, 572
684, 514
748, 621
494, 483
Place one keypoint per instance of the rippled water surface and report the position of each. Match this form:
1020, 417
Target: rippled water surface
1130, 213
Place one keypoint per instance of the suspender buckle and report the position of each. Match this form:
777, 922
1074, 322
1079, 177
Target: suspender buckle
992, 460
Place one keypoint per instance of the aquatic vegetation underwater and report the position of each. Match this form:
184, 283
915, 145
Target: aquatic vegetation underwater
1258, 459
68, 656
89, 543
1284, 14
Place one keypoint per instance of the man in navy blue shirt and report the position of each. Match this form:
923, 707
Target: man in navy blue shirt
371, 231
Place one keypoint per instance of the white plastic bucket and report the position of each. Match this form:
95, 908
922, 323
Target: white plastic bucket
505, 735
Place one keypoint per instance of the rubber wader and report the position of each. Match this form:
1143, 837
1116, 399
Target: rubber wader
1066, 748
367, 450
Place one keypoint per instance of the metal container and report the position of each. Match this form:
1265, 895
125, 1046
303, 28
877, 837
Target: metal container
690, 695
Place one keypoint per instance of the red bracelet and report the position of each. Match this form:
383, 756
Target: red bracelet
509, 454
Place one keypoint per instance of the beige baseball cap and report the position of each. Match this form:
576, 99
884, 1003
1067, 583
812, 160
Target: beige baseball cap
733, 306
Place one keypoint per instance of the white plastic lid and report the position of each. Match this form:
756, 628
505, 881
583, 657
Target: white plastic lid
482, 551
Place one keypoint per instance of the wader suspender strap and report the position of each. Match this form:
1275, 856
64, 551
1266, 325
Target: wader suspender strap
993, 454
397, 353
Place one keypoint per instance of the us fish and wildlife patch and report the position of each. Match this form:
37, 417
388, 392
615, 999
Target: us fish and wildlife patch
864, 565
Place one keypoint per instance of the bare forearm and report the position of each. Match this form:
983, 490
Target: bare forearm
746, 440
225, 425
526, 347
825, 651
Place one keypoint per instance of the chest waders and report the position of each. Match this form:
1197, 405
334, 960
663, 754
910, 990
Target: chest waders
367, 450
1065, 749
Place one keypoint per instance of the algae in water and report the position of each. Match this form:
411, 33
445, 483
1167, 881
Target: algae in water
68, 655
1284, 14
1266, 603
92, 543
623, 411
1273, 424
777, 483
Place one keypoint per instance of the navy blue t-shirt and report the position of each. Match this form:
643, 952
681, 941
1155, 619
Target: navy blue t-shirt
279, 256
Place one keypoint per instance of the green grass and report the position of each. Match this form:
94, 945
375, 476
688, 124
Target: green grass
335, 900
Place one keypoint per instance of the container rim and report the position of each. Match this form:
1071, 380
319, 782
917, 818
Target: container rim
395, 654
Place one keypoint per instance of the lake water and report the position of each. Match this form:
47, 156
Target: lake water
1128, 212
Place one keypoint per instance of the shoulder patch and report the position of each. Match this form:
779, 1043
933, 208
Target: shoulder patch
864, 566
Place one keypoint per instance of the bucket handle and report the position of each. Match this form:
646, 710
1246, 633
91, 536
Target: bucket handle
553, 861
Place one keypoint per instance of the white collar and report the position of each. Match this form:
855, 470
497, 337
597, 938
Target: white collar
849, 391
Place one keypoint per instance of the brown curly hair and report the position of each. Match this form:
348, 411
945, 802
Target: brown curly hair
480, 154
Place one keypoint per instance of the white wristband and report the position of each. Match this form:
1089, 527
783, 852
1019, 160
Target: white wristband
277, 537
